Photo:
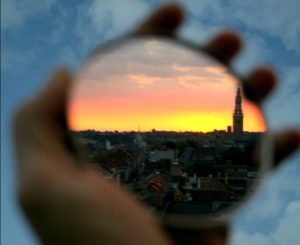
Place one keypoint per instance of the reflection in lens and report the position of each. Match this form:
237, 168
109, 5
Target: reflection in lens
168, 124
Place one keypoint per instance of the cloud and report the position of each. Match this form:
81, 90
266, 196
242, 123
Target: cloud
200, 28
273, 196
244, 238
254, 52
99, 21
278, 197
167, 66
274, 18
154, 59
14, 13
288, 229
286, 232
282, 110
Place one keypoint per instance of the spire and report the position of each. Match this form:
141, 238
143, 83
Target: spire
238, 94
238, 117
238, 102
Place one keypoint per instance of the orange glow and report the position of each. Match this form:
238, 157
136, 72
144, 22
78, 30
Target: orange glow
123, 116
173, 96
253, 120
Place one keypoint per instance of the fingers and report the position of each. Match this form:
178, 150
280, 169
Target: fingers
285, 143
259, 84
164, 21
224, 46
39, 130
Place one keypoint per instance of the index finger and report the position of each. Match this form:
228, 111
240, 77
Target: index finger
165, 21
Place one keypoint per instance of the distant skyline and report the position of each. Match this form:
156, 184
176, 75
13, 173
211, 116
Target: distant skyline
156, 85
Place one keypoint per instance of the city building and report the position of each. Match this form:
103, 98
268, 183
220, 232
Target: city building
238, 117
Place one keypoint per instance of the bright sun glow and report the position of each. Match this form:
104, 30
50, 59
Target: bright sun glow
172, 90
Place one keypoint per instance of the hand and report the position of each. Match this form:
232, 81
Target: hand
67, 204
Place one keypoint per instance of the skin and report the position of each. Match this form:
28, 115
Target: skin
68, 204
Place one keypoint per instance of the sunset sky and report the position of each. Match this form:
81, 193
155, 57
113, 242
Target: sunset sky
155, 84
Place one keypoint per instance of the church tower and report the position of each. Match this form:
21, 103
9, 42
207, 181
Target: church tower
238, 117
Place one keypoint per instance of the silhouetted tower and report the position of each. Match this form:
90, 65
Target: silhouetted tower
238, 117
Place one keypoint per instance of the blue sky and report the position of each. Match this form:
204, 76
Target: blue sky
38, 36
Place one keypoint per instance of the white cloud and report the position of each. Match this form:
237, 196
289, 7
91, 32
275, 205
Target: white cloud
254, 52
288, 229
272, 198
275, 18
99, 21
286, 232
15, 13
244, 238
283, 108
201, 27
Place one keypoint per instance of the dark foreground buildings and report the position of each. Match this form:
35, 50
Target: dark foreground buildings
178, 172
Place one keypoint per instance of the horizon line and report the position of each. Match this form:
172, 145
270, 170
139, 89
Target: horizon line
156, 130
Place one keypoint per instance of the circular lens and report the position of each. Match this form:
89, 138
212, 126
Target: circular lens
168, 123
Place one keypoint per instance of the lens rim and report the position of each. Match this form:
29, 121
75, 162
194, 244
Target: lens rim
265, 156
